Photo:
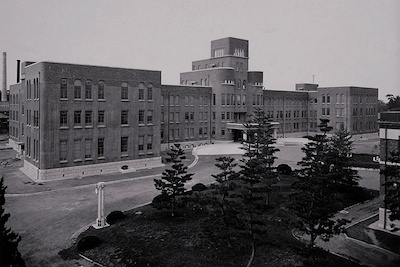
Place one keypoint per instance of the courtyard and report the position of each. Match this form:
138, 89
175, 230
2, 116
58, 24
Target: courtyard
49, 215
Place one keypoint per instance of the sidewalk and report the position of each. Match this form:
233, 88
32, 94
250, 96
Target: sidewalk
362, 252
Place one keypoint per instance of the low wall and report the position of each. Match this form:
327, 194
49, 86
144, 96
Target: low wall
88, 170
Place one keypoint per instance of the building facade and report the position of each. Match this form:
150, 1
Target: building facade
70, 120
77, 120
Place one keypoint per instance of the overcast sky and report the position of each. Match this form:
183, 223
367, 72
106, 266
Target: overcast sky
341, 42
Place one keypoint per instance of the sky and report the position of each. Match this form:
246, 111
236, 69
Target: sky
340, 42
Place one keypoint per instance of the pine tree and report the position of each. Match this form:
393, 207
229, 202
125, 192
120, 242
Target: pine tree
339, 158
312, 200
172, 182
9, 254
257, 174
224, 190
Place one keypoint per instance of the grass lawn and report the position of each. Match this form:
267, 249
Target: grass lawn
196, 237
361, 231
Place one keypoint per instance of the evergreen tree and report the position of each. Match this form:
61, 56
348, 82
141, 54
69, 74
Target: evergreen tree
224, 189
172, 182
9, 254
339, 158
392, 185
257, 174
313, 199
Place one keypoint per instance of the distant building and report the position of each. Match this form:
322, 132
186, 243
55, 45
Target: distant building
72, 120
389, 134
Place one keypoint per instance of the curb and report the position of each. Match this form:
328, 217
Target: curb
82, 186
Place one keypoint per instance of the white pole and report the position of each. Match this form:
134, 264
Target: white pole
100, 222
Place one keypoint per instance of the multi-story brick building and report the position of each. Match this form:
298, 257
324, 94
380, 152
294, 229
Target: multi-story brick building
389, 134
76, 120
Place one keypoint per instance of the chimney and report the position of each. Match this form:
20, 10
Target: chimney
18, 70
4, 87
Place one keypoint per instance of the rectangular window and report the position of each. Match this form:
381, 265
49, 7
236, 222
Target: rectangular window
186, 116
88, 90
205, 131
141, 143
88, 117
77, 149
141, 116
124, 117
228, 99
176, 134
100, 147
191, 132
191, 116
223, 99
342, 112
63, 150
149, 116
328, 99
238, 100
328, 111
213, 99
223, 116
186, 133
88, 148
149, 93
200, 131
100, 117
323, 99
63, 118
323, 111
63, 89
100, 91
77, 117
213, 116
141, 93
124, 144
205, 116
77, 91
149, 142
124, 91
176, 117
337, 112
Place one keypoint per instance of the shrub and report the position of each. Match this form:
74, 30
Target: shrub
115, 216
88, 242
284, 169
160, 202
199, 187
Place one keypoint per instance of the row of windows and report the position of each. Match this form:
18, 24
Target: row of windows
32, 87
288, 102
82, 148
88, 90
32, 119
32, 143
174, 134
233, 99
368, 112
144, 117
174, 100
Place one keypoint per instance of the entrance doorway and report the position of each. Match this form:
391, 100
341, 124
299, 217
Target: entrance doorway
237, 135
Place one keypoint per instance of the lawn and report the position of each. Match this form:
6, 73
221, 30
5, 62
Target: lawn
196, 237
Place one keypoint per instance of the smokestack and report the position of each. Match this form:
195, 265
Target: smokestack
4, 87
18, 69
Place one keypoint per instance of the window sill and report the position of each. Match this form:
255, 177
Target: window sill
141, 153
64, 128
125, 100
101, 158
77, 99
88, 159
77, 127
101, 126
63, 161
88, 100
141, 125
124, 125
150, 153
150, 124
77, 160
63, 99
89, 127
101, 100
124, 155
